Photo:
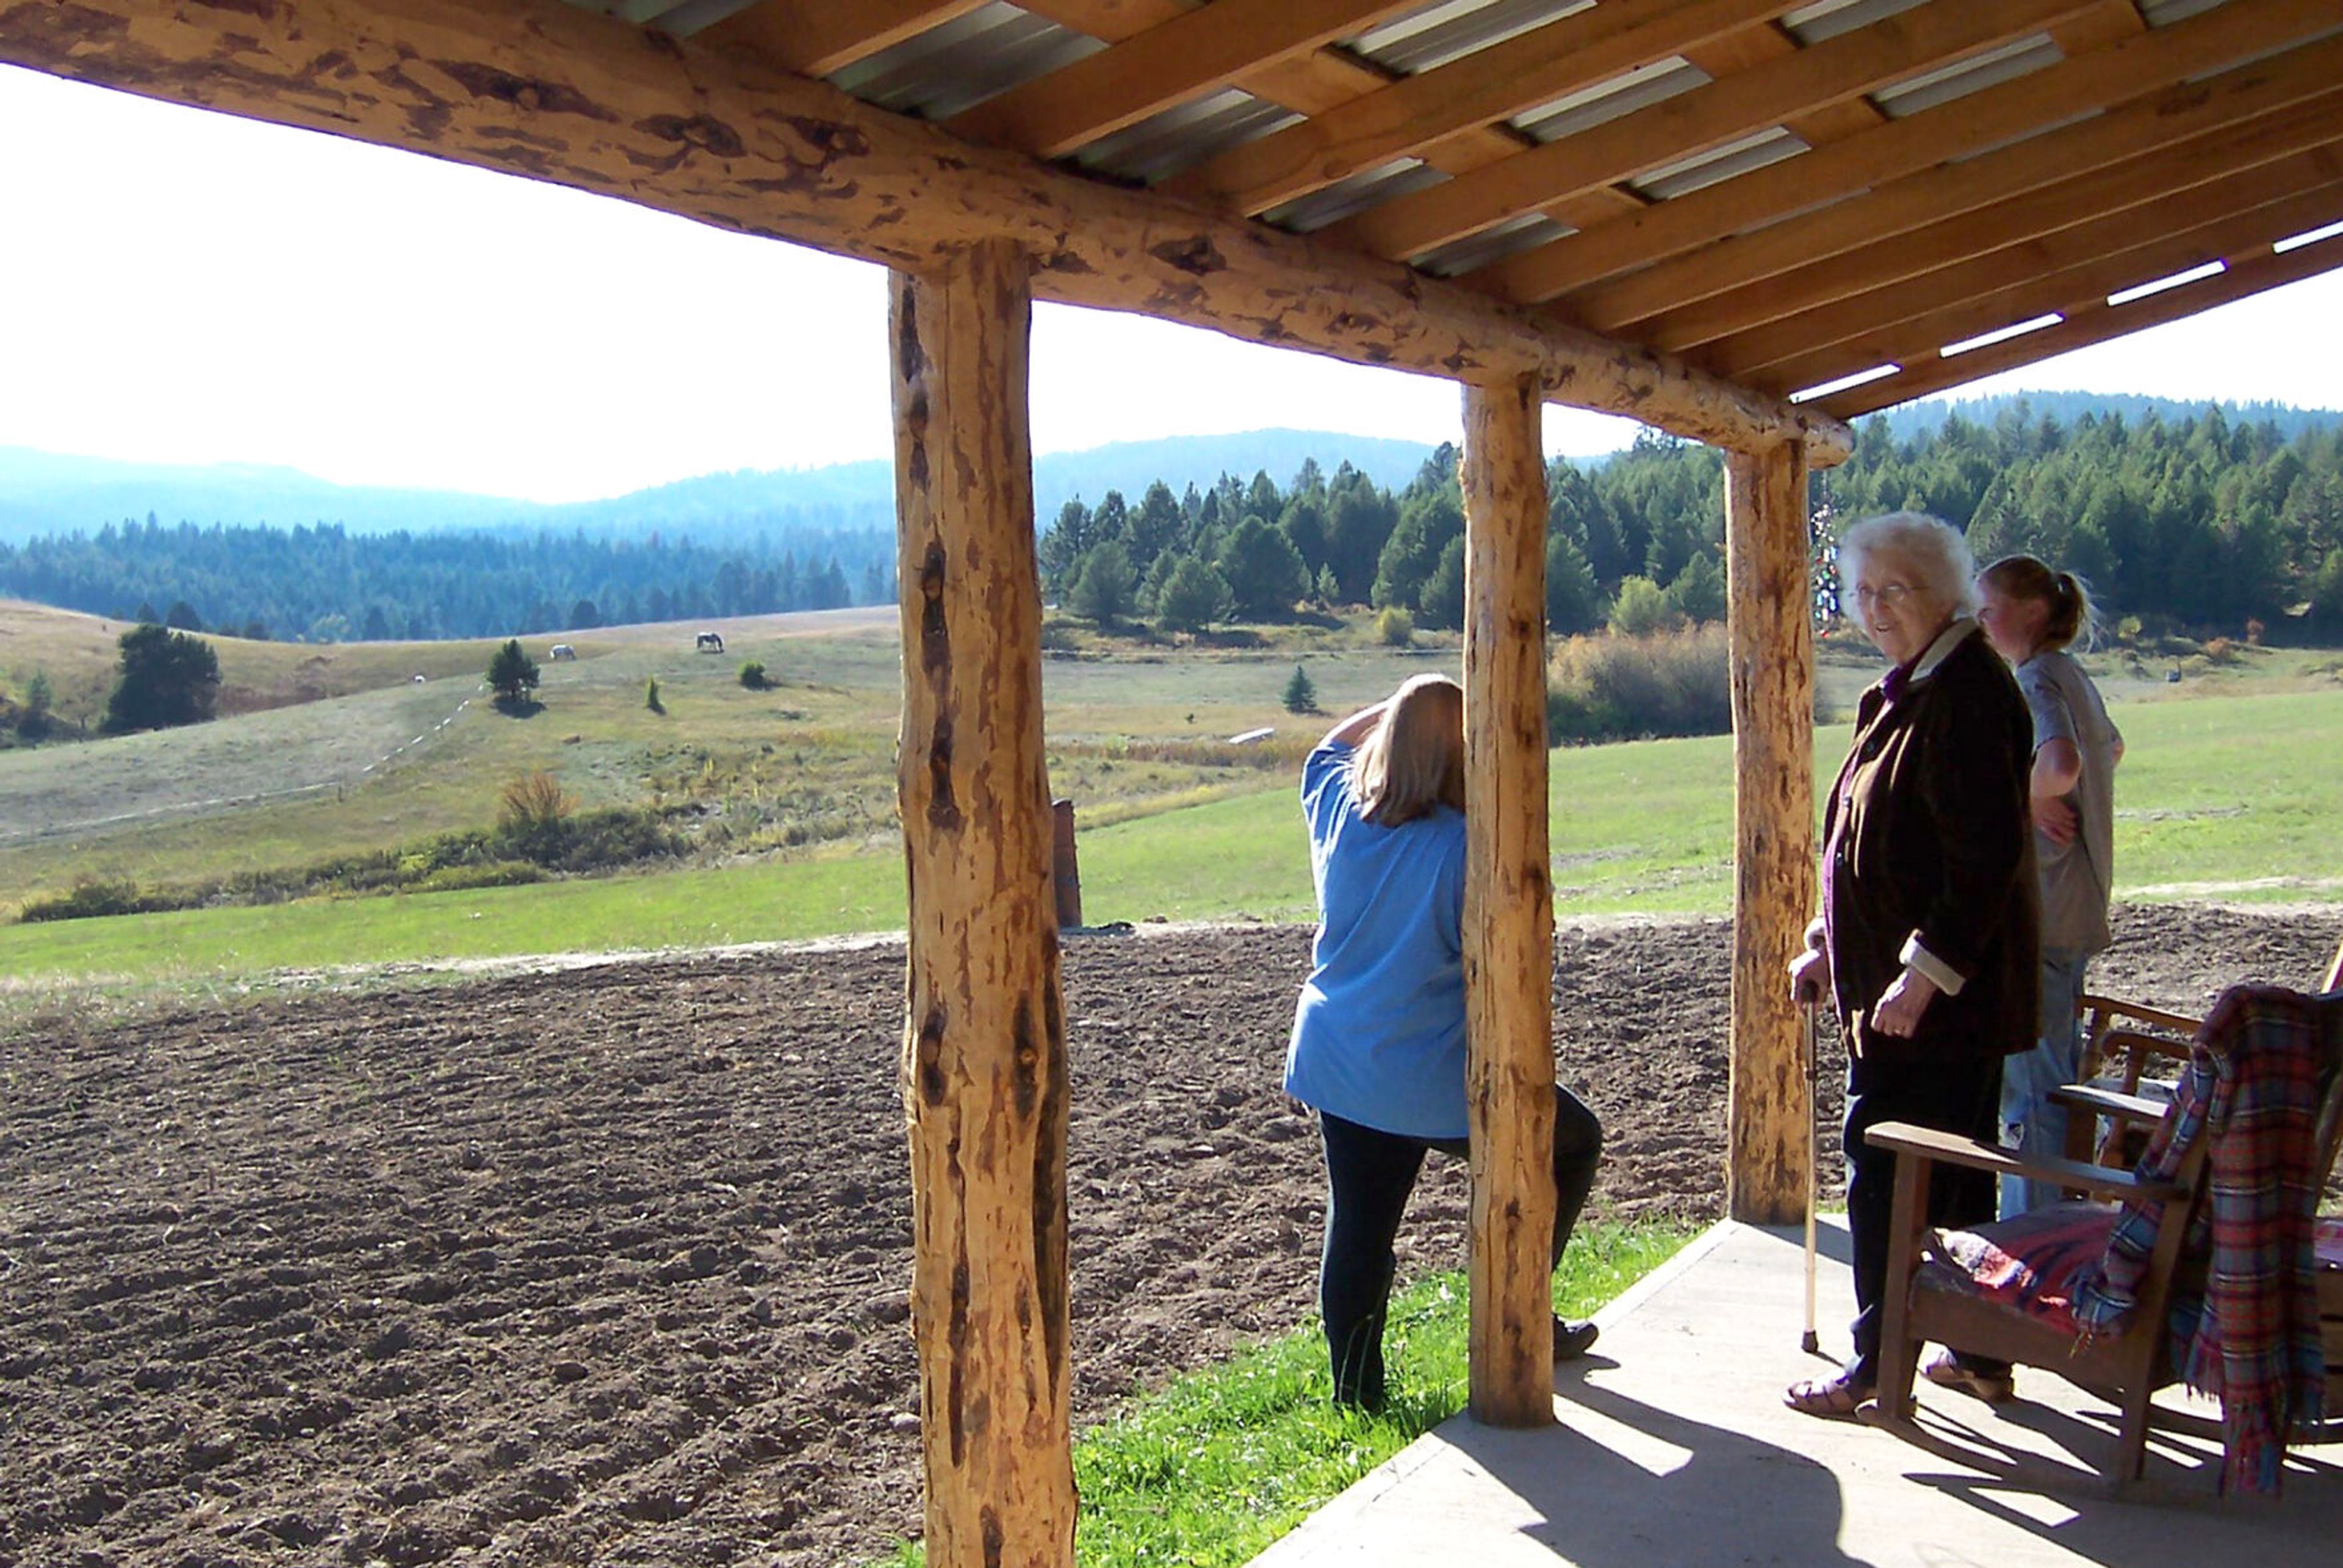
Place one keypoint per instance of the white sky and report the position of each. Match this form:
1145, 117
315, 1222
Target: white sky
190, 288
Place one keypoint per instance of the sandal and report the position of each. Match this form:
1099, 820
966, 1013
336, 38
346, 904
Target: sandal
1948, 1371
1833, 1398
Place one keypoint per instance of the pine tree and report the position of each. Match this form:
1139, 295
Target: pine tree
1300, 696
512, 674
164, 678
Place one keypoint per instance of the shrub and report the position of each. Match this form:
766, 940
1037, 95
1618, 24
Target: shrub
1617, 687
752, 676
89, 897
1300, 696
1395, 626
651, 695
533, 821
488, 874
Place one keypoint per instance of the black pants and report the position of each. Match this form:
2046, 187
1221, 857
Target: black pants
1369, 1175
1953, 1094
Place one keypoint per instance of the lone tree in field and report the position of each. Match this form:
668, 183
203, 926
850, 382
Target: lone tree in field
1300, 696
512, 675
166, 678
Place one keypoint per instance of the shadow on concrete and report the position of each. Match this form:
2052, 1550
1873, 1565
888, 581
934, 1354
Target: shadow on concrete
1625, 1485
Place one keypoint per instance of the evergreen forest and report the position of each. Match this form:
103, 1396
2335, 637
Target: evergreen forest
327, 584
2199, 523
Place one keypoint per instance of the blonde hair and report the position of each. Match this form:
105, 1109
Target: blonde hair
1412, 762
2072, 613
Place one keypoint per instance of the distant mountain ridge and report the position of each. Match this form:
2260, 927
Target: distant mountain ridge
2067, 408
47, 493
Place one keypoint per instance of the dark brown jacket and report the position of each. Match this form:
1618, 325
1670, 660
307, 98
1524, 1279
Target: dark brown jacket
1928, 839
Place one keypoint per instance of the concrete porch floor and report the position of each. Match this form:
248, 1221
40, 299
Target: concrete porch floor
1672, 1446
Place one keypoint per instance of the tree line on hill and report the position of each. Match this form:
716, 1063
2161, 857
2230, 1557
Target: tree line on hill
327, 584
2195, 522
2203, 524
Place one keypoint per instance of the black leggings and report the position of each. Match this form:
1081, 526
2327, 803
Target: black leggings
1369, 1175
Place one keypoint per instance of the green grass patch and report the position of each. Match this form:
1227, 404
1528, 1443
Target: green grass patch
1216, 1466
2233, 797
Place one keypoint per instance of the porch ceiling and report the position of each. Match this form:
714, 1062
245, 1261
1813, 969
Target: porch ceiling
1702, 213
1784, 195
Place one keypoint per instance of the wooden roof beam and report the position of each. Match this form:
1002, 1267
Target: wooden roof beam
1773, 273
817, 37
2104, 78
1544, 63
2157, 176
1196, 53
555, 92
2058, 273
1832, 71
2242, 279
1318, 83
1758, 45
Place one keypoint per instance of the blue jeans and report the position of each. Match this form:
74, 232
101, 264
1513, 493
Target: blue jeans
2029, 1121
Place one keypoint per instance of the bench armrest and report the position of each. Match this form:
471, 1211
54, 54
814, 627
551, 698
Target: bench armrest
2090, 1097
1905, 1137
2090, 1005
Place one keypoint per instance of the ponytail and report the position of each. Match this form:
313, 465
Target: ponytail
2071, 613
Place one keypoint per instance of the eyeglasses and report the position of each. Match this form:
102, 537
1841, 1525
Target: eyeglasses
1887, 594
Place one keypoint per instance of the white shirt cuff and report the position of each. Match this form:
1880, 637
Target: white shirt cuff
1947, 978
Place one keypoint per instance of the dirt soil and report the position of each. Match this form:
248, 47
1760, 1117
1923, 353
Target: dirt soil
607, 1265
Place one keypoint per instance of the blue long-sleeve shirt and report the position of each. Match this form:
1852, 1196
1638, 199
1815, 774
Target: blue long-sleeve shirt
1379, 1033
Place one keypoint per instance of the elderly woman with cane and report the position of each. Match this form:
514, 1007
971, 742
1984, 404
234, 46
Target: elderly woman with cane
1928, 942
1378, 1047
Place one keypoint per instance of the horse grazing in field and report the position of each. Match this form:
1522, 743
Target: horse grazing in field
710, 642
562, 651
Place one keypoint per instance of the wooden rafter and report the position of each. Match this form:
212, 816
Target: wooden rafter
1546, 63
2140, 64
816, 37
1193, 53
1318, 83
1833, 71
1727, 273
2048, 208
2054, 274
2242, 279
555, 92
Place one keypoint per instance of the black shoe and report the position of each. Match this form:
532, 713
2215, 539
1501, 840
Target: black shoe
1572, 1341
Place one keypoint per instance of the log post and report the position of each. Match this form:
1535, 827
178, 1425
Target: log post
984, 1060
1508, 908
1771, 628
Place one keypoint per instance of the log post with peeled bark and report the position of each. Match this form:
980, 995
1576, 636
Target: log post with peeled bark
1508, 908
1769, 615
984, 1051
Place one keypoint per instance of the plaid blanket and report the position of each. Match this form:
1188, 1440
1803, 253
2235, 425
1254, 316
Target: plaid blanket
2253, 1086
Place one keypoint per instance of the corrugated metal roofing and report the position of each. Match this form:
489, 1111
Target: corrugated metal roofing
1369, 158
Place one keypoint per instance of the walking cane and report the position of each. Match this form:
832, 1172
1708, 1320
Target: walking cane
1810, 1344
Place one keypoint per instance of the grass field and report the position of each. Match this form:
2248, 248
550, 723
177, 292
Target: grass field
2229, 791
2233, 797
388, 762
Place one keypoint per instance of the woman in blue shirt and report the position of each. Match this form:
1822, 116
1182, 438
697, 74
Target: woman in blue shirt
1378, 1047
